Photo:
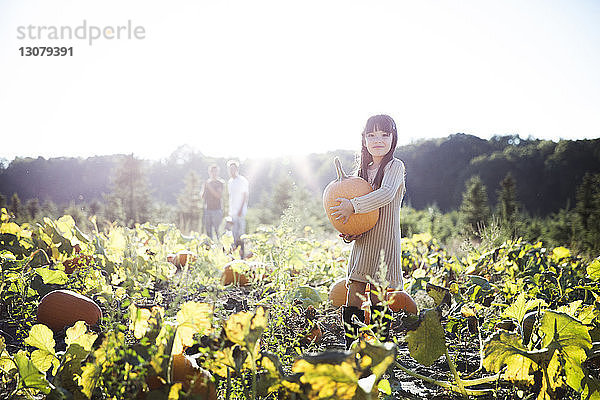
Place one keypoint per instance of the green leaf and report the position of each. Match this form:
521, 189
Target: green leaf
571, 340
481, 282
427, 343
384, 387
50, 276
439, 294
44, 360
31, 377
566, 330
328, 377
560, 252
504, 348
192, 317
593, 270
245, 328
520, 306
308, 295
41, 337
78, 335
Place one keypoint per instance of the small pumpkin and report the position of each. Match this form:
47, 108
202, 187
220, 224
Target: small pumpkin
338, 293
348, 187
231, 277
315, 334
182, 258
400, 300
183, 371
62, 308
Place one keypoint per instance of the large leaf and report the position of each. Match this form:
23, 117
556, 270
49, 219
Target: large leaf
50, 276
245, 328
31, 377
427, 343
520, 306
78, 335
41, 337
309, 296
192, 318
570, 339
504, 348
593, 269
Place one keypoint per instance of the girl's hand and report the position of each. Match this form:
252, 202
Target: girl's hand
344, 210
349, 238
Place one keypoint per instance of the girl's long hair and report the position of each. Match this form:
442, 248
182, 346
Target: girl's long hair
383, 123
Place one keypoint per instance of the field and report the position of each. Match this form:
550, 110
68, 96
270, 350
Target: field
516, 321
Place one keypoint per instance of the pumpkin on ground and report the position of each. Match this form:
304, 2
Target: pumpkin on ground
195, 380
181, 259
62, 308
231, 277
338, 293
348, 187
400, 300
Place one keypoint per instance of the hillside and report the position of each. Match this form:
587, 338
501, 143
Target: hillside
547, 173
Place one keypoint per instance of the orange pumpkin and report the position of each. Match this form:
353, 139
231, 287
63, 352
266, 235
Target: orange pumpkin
182, 258
230, 277
338, 293
348, 187
315, 335
62, 308
400, 300
183, 371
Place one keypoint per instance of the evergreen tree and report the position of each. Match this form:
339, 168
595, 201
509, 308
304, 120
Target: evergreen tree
507, 200
131, 190
474, 209
2, 201
189, 204
33, 208
15, 206
587, 215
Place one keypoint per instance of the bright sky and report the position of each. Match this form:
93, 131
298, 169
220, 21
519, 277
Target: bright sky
270, 78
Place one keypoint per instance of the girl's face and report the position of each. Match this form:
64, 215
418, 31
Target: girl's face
378, 143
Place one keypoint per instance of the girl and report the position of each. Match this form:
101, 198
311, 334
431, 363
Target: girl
386, 175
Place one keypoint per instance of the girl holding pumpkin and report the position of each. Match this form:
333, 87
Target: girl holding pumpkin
385, 173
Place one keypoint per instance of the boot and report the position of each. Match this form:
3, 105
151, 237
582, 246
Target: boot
350, 328
381, 317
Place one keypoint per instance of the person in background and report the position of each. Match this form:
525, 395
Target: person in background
212, 193
238, 204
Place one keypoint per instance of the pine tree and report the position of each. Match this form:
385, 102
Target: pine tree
474, 209
507, 200
131, 191
587, 215
33, 208
15, 206
189, 204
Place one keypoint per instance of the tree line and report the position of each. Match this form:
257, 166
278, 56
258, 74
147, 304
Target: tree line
455, 185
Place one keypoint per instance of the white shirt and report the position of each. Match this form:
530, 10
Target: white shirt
237, 187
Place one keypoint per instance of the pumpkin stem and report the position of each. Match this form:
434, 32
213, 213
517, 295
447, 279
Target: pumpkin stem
338, 168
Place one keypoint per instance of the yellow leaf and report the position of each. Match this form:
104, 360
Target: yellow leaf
192, 318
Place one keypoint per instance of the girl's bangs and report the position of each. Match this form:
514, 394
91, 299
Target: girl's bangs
380, 123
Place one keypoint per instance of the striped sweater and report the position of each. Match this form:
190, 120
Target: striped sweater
384, 238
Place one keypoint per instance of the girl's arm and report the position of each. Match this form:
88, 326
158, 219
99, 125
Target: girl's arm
393, 180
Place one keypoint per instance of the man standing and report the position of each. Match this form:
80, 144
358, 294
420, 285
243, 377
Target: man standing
212, 193
238, 204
